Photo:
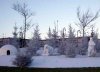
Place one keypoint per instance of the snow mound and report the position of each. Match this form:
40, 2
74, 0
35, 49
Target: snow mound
4, 49
56, 61
64, 62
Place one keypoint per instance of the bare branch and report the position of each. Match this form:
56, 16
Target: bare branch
86, 18
26, 13
78, 14
94, 18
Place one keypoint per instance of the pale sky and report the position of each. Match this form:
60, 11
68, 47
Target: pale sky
46, 12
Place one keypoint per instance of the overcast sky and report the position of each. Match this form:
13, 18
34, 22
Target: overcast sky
46, 12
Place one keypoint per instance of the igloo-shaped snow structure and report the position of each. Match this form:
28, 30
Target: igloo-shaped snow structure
8, 50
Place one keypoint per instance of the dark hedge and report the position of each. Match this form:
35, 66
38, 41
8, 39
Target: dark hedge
18, 69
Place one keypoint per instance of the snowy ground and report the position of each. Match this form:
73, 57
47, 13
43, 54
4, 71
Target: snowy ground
56, 61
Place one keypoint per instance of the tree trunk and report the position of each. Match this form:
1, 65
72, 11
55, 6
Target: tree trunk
83, 39
24, 42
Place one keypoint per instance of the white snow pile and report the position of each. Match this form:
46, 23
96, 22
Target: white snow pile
47, 50
6, 60
56, 61
63, 62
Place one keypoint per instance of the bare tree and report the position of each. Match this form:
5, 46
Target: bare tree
23, 10
85, 19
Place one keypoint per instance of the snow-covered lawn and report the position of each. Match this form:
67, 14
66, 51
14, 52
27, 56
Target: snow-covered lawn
6, 60
56, 61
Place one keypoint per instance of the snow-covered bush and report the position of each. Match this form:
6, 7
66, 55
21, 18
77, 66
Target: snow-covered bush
71, 51
82, 51
50, 50
71, 43
62, 46
22, 60
98, 47
35, 42
83, 48
39, 52
55, 52
31, 51
71, 48
52, 37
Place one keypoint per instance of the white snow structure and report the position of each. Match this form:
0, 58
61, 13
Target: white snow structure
49, 50
91, 49
8, 50
45, 50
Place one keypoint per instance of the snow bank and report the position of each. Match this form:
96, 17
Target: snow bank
56, 61
63, 62
6, 60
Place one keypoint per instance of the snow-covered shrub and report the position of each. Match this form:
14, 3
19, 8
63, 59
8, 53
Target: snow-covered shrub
71, 48
98, 47
55, 52
52, 37
39, 52
51, 50
83, 48
71, 43
71, 51
31, 51
35, 42
82, 51
62, 47
22, 60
